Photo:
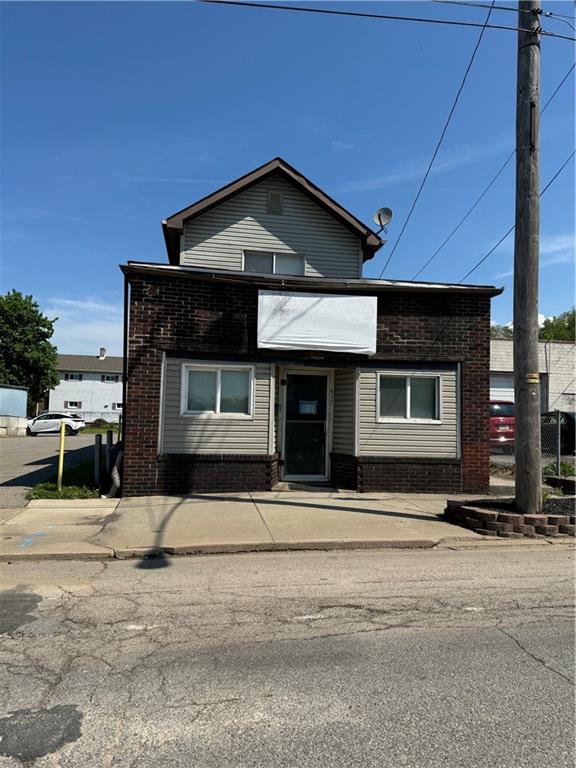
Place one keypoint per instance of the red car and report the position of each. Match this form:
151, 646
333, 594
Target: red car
502, 425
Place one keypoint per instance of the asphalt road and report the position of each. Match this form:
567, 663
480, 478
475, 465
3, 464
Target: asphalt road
25, 461
430, 659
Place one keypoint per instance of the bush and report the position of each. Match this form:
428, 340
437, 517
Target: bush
566, 470
100, 423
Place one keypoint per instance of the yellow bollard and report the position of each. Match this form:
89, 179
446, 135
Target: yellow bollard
61, 456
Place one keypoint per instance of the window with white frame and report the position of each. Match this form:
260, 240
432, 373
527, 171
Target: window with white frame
408, 398
72, 404
107, 378
217, 390
117, 406
72, 377
273, 263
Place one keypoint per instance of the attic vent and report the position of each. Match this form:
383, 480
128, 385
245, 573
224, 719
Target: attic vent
275, 202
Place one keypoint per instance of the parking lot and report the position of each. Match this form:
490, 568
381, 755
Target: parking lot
26, 461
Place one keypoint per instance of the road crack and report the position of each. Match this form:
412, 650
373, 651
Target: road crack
534, 657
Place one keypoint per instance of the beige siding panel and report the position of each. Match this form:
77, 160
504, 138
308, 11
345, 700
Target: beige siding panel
216, 238
407, 439
344, 412
193, 434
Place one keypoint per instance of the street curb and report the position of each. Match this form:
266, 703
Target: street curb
450, 544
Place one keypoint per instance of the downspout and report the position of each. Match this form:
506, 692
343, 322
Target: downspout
125, 356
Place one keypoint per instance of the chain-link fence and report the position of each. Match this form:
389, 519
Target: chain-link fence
556, 434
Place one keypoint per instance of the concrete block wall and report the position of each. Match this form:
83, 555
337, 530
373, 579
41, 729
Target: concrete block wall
557, 359
12, 426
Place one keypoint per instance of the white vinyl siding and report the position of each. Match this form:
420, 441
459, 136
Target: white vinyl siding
407, 438
344, 411
216, 238
219, 433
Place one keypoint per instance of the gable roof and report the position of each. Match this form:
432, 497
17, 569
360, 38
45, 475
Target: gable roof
173, 225
89, 364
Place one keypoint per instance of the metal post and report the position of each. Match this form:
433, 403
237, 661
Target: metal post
97, 460
108, 454
526, 253
61, 456
558, 443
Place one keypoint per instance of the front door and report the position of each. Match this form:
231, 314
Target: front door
305, 426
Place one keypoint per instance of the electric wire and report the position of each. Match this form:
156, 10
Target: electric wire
513, 227
438, 144
541, 12
388, 17
489, 185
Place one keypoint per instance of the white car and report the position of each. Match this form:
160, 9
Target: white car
50, 422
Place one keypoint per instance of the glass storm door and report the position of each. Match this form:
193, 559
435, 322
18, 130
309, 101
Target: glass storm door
305, 425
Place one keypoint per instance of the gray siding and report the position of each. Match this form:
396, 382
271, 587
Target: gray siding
202, 434
216, 238
344, 412
405, 438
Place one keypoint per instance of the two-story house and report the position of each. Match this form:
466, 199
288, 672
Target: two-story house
89, 385
259, 354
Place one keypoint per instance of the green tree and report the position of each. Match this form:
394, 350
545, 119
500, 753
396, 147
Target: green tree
500, 331
27, 358
560, 328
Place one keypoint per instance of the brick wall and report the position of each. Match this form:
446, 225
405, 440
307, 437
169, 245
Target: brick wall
405, 475
214, 473
378, 473
344, 471
214, 320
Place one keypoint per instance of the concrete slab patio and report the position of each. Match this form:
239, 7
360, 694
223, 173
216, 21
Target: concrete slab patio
136, 527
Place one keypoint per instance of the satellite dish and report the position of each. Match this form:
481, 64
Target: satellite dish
382, 217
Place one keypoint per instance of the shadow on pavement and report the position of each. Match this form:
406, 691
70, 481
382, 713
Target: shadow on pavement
50, 465
156, 557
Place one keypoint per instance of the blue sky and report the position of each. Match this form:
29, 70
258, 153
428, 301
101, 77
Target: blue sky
115, 115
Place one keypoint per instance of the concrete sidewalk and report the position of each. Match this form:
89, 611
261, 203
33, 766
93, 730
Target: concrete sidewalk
136, 527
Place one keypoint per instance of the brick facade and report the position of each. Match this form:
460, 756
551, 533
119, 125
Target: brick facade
396, 474
213, 473
199, 318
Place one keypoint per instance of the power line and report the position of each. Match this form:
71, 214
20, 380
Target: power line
389, 17
560, 84
489, 185
513, 227
439, 143
548, 14
463, 219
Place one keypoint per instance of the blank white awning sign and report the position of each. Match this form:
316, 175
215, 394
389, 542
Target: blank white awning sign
317, 321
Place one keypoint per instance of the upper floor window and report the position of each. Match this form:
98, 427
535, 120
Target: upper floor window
408, 398
107, 377
72, 377
272, 263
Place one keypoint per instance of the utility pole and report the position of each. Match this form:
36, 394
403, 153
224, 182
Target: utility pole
526, 256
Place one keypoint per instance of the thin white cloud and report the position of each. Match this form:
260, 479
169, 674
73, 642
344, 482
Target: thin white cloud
172, 179
452, 158
341, 146
39, 213
510, 324
85, 325
554, 250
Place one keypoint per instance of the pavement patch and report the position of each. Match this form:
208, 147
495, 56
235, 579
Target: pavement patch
27, 734
16, 609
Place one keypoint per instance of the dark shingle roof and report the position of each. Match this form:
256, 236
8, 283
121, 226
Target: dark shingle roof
89, 364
